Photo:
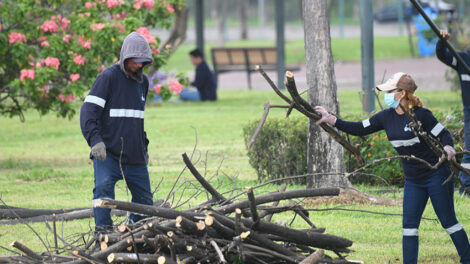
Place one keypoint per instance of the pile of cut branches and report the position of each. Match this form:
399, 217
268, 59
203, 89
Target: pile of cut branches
220, 230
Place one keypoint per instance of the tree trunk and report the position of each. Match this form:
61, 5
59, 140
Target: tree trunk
243, 17
323, 154
178, 30
220, 17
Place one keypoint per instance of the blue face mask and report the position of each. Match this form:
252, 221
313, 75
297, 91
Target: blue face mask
389, 99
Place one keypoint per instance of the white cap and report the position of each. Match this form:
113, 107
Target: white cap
391, 84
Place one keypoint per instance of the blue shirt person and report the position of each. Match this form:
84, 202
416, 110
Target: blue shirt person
447, 58
112, 122
204, 81
421, 182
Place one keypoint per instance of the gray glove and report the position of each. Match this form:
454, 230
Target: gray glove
99, 151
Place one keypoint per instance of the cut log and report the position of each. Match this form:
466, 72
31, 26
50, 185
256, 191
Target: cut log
133, 258
74, 215
252, 202
313, 239
15, 212
28, 252
277, 196
314, 258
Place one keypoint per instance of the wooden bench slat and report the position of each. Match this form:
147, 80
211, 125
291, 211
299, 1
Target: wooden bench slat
244, 58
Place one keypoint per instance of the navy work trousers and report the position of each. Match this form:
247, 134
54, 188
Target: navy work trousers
107, 173
442, 198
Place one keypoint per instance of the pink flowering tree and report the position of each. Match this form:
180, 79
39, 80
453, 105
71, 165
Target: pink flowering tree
52, 53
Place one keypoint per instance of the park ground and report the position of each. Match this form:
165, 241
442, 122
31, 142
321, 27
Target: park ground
44, 164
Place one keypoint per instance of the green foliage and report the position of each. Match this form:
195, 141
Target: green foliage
53, 50
280, 149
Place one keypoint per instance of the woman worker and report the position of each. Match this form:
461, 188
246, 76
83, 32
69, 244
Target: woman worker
421, 182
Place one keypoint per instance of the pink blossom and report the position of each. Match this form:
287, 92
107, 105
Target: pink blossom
157, 88
120, 16
79, 60
16, 37
146, 34
138, 4
64, 23
67, 99
101, 68
113, 3
44, 43
74, 77
149, 4
51, 61
0, 27
143, 31
49, 26
121, 28
85, 44
155, 50
27, 74
66, 38
90, 5
175, 86
170, 8
95, 27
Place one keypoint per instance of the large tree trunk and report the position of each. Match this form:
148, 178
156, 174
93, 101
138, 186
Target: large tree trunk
178, 30
323, 154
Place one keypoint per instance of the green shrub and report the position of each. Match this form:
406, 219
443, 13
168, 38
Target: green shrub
280, 149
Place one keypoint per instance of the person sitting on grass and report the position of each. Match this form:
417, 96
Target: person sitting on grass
204, 81
421, 182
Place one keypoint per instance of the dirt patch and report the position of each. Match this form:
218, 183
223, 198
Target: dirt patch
351, 196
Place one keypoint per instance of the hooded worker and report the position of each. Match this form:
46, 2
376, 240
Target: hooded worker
112, 122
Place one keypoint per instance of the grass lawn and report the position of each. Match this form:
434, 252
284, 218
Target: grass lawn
44, 164
344, 49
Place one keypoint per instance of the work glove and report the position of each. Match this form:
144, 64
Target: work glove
99, 151
450, 151
445, 34
325, 116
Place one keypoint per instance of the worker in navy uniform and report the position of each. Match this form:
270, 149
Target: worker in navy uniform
447, 58
421, 182
112, 122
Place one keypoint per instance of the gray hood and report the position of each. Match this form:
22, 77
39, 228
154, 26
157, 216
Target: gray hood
135, 46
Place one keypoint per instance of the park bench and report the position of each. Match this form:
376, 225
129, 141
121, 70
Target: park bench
245, 59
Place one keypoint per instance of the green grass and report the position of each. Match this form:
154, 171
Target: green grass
344, 49
44, 164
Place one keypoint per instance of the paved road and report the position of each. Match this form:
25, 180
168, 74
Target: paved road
292, 32
429, 74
